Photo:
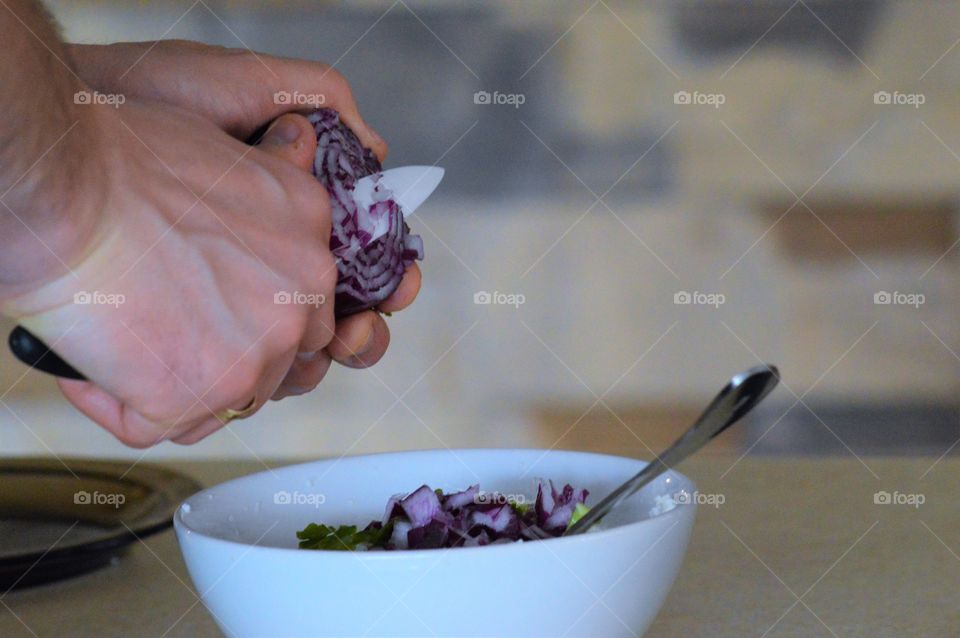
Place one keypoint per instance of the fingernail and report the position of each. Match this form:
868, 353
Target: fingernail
362, 350
281, 133
307, 356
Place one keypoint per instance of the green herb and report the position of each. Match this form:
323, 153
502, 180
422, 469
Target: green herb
520, 508
578, 512
345, 537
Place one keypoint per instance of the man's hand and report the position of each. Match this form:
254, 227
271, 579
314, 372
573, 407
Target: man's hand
177, 318
240, 91
149, 244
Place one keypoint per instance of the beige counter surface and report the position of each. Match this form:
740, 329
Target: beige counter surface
798, 547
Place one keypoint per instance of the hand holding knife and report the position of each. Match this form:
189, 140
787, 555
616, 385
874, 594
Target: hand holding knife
411, 186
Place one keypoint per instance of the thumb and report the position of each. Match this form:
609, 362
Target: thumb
291, 137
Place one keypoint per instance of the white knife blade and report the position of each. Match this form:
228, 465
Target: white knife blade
410, 185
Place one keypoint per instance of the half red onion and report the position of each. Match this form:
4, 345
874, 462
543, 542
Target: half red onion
370, 265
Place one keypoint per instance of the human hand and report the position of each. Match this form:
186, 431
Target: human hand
238, 90
197, 233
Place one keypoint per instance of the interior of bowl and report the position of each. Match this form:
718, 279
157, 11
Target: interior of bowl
269, 507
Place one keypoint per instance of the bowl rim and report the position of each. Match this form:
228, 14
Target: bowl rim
685, 509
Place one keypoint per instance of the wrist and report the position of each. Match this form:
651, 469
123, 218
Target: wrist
52, 178
55, 184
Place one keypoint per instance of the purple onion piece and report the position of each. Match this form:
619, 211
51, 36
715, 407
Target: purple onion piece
555, 509
461, 499
433, 535
476, 541
393, 508
501, 521
421, 506
400, 534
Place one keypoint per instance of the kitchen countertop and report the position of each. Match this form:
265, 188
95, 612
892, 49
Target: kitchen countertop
798, 547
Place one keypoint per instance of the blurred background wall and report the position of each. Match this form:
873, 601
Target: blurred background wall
786, 167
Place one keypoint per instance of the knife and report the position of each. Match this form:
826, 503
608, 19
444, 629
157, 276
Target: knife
411, 186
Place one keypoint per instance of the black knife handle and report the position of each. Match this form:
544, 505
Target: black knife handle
39, 356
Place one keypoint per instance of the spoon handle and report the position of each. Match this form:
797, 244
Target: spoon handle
737, 398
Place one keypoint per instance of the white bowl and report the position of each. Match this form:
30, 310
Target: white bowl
239, 543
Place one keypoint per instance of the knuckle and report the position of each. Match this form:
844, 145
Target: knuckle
272, 185
287, 332
244, 380
232, 379
135, 437
310, 197
133, 441
313, 373
161, 406
249, 59
178, 44
322, 271
321, 333
336, 82
198, 433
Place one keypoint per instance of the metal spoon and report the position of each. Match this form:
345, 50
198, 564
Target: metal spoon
739, 396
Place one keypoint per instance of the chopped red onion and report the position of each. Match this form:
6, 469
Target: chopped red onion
429, 519
421, 506
554, 510
460, 499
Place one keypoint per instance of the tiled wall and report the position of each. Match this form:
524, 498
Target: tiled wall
694, 214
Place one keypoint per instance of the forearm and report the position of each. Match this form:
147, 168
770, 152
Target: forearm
51, 180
